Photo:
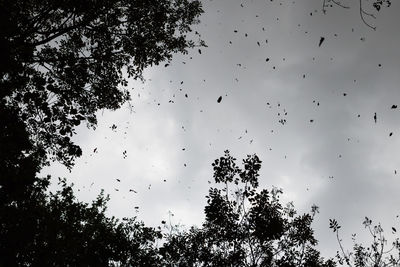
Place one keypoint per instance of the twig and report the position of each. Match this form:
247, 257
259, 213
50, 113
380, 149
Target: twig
362, 13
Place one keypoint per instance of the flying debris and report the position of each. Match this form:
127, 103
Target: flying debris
118, 180
321, 41
219, 99
375, 118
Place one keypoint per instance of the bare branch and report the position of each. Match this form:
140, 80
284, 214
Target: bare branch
339, 4
362, 13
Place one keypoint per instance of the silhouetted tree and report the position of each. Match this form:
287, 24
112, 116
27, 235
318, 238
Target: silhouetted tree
378, 254
57, 230
61, 61
245, 226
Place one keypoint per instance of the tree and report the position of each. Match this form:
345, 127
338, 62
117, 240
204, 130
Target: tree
244, 226
376, 255
61, 61
57, 230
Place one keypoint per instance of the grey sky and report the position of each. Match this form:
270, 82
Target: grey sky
299, 156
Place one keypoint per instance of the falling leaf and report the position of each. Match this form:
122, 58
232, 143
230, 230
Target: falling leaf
321, 41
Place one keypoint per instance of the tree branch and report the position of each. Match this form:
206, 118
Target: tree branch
362, 13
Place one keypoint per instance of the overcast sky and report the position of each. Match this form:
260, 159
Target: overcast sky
330, 94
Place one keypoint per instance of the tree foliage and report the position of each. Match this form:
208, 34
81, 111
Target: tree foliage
61, 61
245, 226
377, 254
56, 229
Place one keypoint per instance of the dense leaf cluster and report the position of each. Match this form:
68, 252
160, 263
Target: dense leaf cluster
55, 229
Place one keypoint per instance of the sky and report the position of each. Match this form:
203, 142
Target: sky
306, 110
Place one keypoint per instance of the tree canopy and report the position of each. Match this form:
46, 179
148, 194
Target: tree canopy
245, 226
64, 60
56, 229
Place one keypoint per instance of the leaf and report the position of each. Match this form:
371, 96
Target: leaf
321, 40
